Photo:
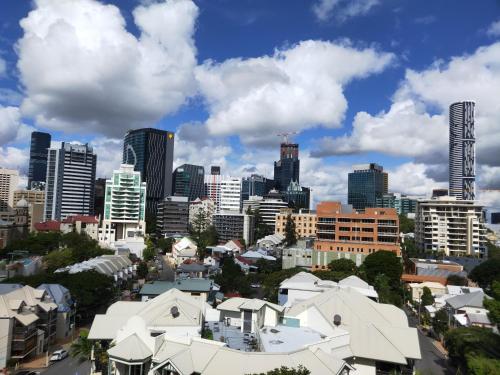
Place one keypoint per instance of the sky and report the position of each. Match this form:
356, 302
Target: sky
358, 80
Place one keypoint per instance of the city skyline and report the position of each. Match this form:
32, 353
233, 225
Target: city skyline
385, 99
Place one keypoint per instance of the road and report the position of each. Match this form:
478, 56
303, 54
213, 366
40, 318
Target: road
68, 366
167, 273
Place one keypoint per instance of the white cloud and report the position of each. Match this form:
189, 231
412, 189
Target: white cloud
11, 127
494, 29
14, 158
109, 153
342, 10
411, 178
84, 72
294, 89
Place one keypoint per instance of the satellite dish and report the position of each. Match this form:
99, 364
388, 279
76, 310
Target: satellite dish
337, 320
174, 310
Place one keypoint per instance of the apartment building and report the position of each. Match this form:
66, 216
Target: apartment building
9, 180
342, 232
234, 226
230, 195
173, 217
305, 222
450, 225
271, 206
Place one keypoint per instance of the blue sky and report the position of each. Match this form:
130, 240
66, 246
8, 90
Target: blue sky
390, 67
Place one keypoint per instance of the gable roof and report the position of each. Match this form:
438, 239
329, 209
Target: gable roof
474, 299
130, 349
185, 285
48, 226
237, 304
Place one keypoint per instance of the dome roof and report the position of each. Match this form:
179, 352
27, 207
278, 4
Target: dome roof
22, 203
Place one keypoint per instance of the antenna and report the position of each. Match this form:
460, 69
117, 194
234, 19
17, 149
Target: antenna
285, 136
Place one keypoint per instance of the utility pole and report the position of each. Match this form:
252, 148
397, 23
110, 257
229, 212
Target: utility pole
48, 338
74, 325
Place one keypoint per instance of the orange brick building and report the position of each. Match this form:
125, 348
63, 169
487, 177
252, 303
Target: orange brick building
342, 232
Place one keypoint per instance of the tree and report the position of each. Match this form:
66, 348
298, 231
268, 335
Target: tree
149, 252
165, 244
383, 262
493, 305
283, 370
493, 250
261, 229
142, 270
482, 365
232, 278
58, 259
406, 225
343, 265
290, 231
82, 347
487, 272
198, 227
440, 322
386, 293
271, 283
426, 299
456, 280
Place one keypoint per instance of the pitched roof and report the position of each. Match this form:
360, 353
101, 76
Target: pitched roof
82, 218
185, 285
474, 299
238, 303
48, 226
130, 349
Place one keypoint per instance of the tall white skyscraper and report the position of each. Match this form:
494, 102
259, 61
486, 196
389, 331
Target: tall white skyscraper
9, 180
230, 194
69, 189
462, 151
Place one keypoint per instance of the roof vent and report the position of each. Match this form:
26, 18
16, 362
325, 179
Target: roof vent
336, 320
174, 310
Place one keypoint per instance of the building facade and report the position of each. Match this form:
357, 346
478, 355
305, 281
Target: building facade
70, 182
342, 232
203, 206
403, 204
450, 225
188, 181
9, 179
270, 207
305, 222
230, 195
151, 151
297, 196
100, 191
37, 171
287, 169
462, 151
366, 183
36, 202
213, 187
173, 217
234, 226
255, 185
124, 206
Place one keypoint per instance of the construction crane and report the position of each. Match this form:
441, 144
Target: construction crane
285, 136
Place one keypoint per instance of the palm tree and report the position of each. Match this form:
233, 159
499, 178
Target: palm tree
81, 348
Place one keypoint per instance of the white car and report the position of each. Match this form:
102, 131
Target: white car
58, 355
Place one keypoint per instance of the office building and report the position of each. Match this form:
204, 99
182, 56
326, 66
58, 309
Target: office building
495, 218
252, 203
287, 169
205, 207
234, 226
151, 151
439, 193
212, 186
403, 204
70, 181
255, 185
305, 222
230, 194
188, 181
450, 225
173, 217
100, 190
297, 197
9, 179
270, 207
124, 217
366, 183
462, 151
37, 171
342, 232
215, 170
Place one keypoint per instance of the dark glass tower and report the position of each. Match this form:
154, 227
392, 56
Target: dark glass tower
287, 169
365, 184
254, 185
151, 151
189, 181
37, 172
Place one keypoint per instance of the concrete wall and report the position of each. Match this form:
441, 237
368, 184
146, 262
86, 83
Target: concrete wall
5, 340
270, 317
234, 317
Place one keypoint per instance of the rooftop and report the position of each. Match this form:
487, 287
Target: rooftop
185, 285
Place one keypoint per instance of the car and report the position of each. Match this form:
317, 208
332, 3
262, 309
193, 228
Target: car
58, 355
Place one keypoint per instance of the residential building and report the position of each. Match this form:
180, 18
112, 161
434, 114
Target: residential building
253, 256
403, 204
184, 249
431, 270
271, 242
287, 169
255, 185
188, 181
198, 288
366, 183
61, 296
9, 179
462, 169
297, 196
124, 218
304, 220
205, 207
230, 195
117, 266
70, 181
345, 233
151, 151
417, 289
99, 194
37, 171
455, 227
173, 217
213, 186
296, 257
467, 310
81, 224
17, 227
270, 207
234, 226
36, 204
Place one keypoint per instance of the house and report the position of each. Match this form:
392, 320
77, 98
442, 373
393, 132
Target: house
245, 264
249, 314
421, 270
305, 285
253, 256
197, 288
65, 308
27, 323
87, 224
467, 309
235, 246
117, 266
271, 242
183, 250
193, 270
417, 289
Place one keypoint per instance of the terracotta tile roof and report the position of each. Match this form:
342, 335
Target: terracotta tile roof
48, 226
83, 218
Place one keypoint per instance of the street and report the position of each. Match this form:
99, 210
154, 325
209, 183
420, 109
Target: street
167, 273
68, 366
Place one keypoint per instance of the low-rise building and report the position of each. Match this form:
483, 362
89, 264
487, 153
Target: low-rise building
431, 270
417, 289
117, 266
65, 309
297, 256
183, 250
196, 287
305, 222
271, 242
88, 225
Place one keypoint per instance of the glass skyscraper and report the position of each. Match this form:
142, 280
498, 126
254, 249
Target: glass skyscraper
287, 169
37, 172
189, 181
366, 183
151, 151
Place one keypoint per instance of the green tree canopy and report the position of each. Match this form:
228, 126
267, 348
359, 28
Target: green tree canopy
487, 272
290, 231
426, 299
493, 305
440, 322
406, 225
142, 270
301, 370
81, 348
343, 265
233, 279
456, 280
165, 244
383, 262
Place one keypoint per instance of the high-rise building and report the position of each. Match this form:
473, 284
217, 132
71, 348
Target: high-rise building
462, 151
403, 204
9, 179
287, 169
495, 218
215, 170
270, 207
255, 185
439, 192
212, 188
173, 217
450, 225
124, 207
188, 181
365, 184
69, 189
342, 232
234, 226
100, 190
297, 196
151, 151
230, 194
37, 172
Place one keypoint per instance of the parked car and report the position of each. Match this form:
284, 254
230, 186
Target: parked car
58, 355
